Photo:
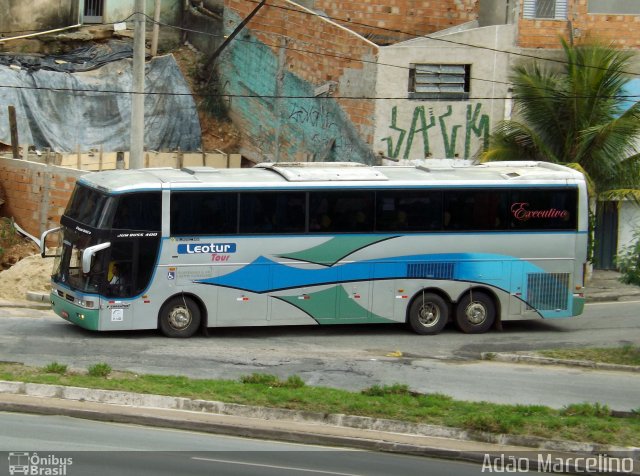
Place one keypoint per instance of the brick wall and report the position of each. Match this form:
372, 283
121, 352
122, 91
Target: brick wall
620, 30
284, 54
35, 194
397, 20
542, 33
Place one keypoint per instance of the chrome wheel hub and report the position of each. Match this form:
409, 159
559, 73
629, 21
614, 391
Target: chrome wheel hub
179, 318
476, 313
429, 315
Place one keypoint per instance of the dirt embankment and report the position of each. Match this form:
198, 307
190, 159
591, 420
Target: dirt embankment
31, 273
22, 268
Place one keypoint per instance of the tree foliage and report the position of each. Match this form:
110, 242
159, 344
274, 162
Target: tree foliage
576, 114
628, 261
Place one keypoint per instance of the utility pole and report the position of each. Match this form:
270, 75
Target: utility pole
156, 29
230, 38
137, 101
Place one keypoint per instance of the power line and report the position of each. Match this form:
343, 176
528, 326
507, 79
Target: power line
495, 50
493, 81
342, 20
330, 55
301, 50
240, 96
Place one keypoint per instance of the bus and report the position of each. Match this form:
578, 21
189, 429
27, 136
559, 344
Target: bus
321, 243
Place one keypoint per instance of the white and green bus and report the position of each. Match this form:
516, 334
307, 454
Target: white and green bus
322, 243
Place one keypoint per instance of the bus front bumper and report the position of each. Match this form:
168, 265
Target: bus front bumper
578, 304
86, 318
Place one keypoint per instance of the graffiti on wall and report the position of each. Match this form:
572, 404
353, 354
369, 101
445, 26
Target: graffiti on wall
314, 115
429, 127
320, 129
277, 109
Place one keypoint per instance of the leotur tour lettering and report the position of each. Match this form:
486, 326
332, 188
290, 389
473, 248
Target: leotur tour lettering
194, 248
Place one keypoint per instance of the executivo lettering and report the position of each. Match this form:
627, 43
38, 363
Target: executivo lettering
521, 212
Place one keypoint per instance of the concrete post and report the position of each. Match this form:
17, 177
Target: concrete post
156, 29
13, 126
137, 100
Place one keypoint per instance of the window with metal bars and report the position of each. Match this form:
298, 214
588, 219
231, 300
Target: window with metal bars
93, 11
551, 9
439, 81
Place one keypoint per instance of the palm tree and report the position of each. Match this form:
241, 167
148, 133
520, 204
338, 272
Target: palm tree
576, 115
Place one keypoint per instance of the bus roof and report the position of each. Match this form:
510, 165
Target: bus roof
318, 175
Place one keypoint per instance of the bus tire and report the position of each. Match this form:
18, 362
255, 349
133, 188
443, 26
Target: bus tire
428, 314
179, 317
475, 313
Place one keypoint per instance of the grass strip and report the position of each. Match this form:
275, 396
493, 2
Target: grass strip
581, 422
625, 355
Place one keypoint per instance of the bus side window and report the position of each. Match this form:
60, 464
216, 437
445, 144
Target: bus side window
272, 212
342, 211
409, 210
138, 211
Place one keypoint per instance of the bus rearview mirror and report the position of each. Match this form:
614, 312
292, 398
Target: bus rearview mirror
88, 253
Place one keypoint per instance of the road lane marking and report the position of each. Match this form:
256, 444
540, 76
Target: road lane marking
611, 302
290, 468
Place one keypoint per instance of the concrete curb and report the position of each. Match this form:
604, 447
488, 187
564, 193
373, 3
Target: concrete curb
33, 300
388, 430
613, 297
38, 297
540, 360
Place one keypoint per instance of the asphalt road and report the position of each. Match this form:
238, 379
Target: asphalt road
89, 447
355, 357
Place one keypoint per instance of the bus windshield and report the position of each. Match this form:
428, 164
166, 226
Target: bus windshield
123, 232
87, 206
68, 267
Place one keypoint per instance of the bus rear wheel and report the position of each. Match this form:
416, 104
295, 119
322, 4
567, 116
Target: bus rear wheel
475, 313
428, 314
179, 317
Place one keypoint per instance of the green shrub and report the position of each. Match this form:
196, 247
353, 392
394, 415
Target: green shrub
628, 262
55, 368
485, 422
381, 391
294, 381
8, 233
260, 379
587, 409
269, 380
99, 370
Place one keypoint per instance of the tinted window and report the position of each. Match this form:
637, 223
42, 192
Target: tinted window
138, 211
204, 213
341, 211
410, 210
475, 210
272, 212
543, 209
86, 206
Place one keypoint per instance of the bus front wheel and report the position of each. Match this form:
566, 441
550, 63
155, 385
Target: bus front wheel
428, 314
475, 313
179, 317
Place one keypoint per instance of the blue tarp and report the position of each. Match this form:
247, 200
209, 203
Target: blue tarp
82, 99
